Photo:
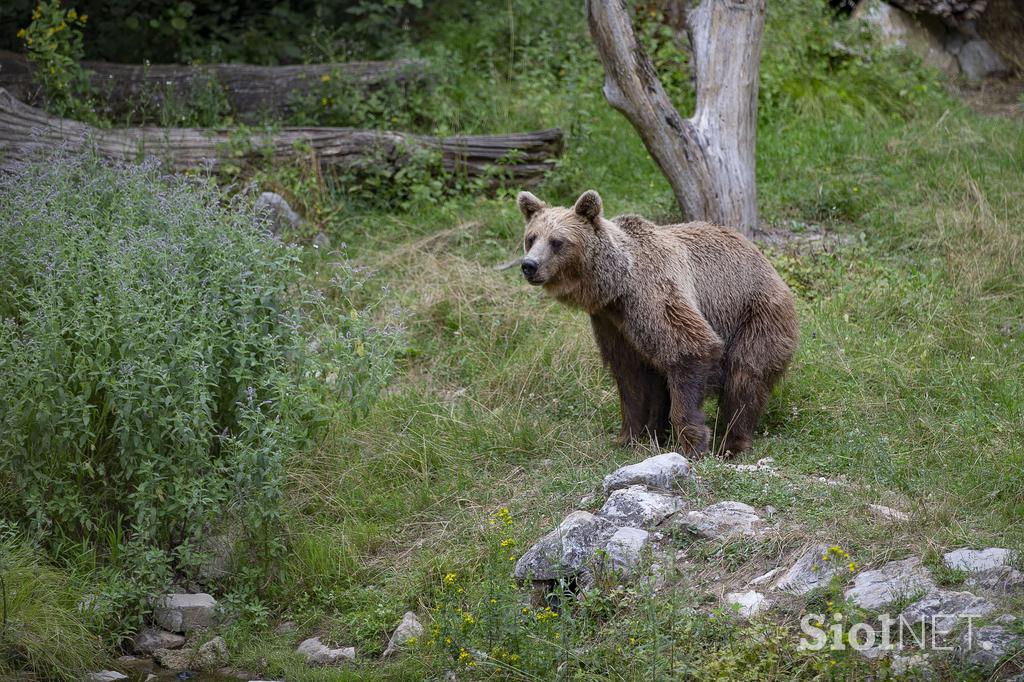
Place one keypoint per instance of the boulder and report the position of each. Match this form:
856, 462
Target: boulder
184, 612
979, 61
567, 550
984, 648
209, 656
668, 471
317, 653
624, 549
151, 639
278, 212
944, 610
809, 572
410, 628
747, 604
977, 560
899, 29
638, 507
724, 521
876, 589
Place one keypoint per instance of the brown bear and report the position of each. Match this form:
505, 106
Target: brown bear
679, 312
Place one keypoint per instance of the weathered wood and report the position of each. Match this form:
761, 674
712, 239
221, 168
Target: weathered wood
520, 157
250, 90
708, 158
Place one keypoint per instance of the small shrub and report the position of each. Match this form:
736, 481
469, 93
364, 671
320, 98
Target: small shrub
54, 43
161, 354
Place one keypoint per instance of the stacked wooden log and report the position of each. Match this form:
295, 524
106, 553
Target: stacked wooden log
519, 158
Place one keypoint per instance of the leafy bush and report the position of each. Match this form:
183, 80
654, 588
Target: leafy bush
54, 43
156, 365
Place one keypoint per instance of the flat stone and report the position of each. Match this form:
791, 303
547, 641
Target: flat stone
977, 560
106, 676
151, 639
137, 664
914, 664
767, 577
750, 603
724, 521
809, 572
638, 507
625, 549
184, 612
668, 471
984, 648
888, 513
409, 629
1002, 580
764, 465
876, 589
944, 610
567, 550
317, 653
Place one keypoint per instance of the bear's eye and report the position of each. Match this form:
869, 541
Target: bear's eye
556, 244
529, 242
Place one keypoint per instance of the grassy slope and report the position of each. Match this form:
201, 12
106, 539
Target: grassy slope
908, 382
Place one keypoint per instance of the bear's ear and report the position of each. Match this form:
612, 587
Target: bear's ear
529, 204
588, 205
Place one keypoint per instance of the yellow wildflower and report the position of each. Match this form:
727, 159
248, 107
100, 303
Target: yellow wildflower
450, 578
84, 18
467, 618
508, 542
22, 33
325, 78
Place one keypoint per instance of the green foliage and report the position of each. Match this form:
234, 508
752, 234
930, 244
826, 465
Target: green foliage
160, 356
54, 43
42, 629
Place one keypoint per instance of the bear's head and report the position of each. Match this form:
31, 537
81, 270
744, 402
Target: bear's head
557, 241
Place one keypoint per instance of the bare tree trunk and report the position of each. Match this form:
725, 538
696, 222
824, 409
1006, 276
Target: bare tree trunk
521, 158
708, 158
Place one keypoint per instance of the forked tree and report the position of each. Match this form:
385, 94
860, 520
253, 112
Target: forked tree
709, 157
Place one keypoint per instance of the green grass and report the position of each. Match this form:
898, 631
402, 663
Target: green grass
908, 384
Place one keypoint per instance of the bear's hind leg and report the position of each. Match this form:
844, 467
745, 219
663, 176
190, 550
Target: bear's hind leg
743, 398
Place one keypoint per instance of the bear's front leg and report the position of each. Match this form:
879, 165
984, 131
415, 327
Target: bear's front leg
686, 384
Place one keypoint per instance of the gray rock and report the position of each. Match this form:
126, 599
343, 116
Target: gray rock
918, 665
277, 210
888, 513
983, 648
944, 610
977, 560
136, 664
318, 653
900, 29
978, 61
567, 550
625, 549
724, 521
668, 471
409, 628
638, 507
999, 580
106, 676
767, 577
896, 580
321, 241
151, 639
184, 612
750, 603
209, 656
809, 572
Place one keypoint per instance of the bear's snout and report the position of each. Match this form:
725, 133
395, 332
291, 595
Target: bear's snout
530, 270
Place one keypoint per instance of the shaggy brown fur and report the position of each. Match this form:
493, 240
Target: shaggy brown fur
679, 312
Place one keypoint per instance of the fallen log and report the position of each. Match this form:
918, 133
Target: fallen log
519, 158
250, 90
